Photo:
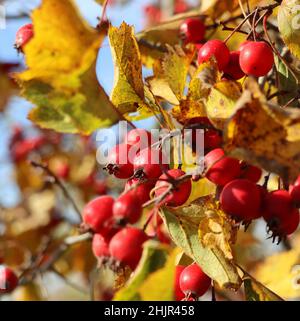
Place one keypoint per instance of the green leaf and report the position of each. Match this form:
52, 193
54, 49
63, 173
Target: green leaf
289, 24
61, 77
211, 251
154, 258
128, 91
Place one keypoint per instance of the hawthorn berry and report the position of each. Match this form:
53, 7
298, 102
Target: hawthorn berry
194, 281
126, 246
119, 163
192, 30
233, 69
97, 214
8, 279
243, 44
220, 168
250, 172
294, 191
241, 199
179, 193
212, 139
127, 208
62, 170
256, 59
23, 148
149, 163
100, 246
140, 188
179, 295
23, 36
138, 136
214, 48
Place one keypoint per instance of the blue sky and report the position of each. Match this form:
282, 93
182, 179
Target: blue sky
18, 109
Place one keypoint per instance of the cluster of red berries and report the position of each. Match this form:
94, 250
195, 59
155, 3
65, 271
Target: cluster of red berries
244, 200
190, 282
109, 218
236, 64
8, 280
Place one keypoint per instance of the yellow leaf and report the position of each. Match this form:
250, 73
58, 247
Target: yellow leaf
288, 24
281, 273
159, 286
128, 91
28, 292
61, 78
265, 134
7, 87
221, 102
170, 76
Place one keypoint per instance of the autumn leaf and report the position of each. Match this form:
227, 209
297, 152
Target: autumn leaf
153, 258
61, 77
265, 134
221, 102
193, 228
289, 26
280, 272
170, 75
7, 86
128, 91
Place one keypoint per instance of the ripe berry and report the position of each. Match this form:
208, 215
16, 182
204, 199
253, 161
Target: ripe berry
193, 280
179, 295
212, 139
241, 199
138, 136
192, 30
100, 246
220, 168
233, 69
149, 163
97, 214
127, 208
140, 189
127, 246
179, 193
250, 172
277, 204
215, 48
23, 36
295, 192
243, 44
291, 223
119, 163
24, 147
62, 170
8, 280
256, 59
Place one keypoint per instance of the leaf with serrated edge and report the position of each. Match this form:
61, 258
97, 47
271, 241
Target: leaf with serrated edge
183, 225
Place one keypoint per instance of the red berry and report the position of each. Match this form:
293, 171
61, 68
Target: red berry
100, 187
212, 139
243, 44
127, 208
140, 137
97, 214
277, 204
233, 69
24, 147
179, 193
295, 192
290, 225
179, 295
220, 168
120, 163
192, 30
215, 48
141, 189
23, 36
193, 280
241, 199
100, 246
256, 59
127, 246
62, 170
8, 280
250, 172
149, 163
